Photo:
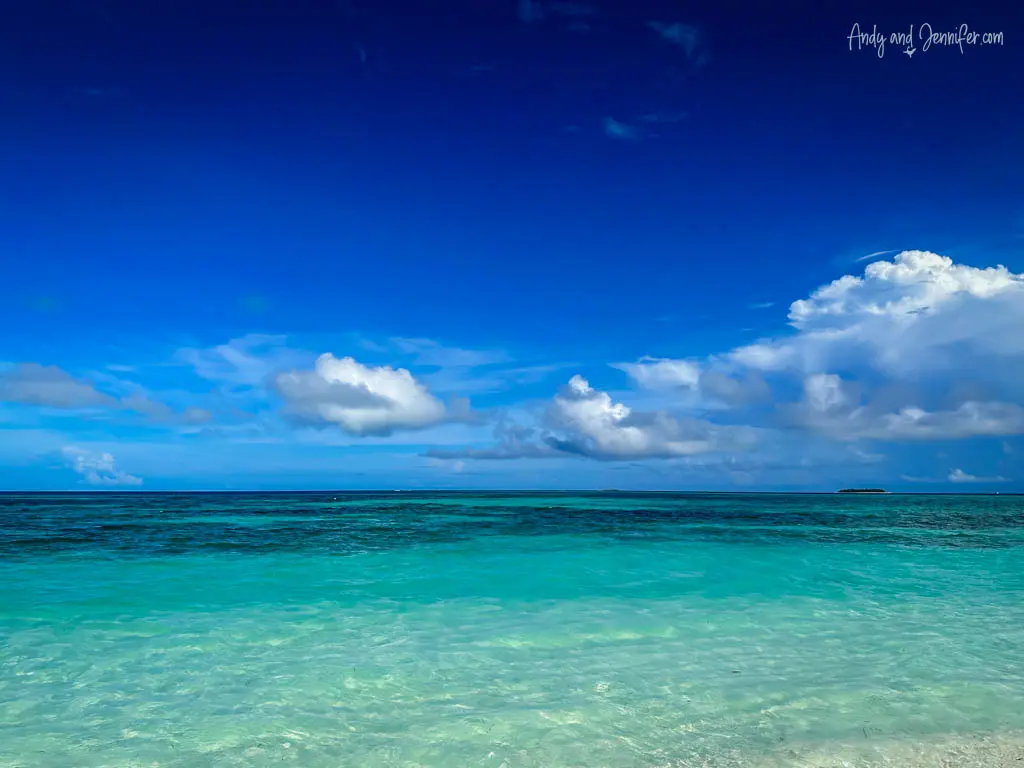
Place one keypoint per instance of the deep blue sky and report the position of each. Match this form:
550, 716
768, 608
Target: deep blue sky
560, 181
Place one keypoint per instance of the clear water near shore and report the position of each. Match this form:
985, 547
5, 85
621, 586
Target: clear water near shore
517, 630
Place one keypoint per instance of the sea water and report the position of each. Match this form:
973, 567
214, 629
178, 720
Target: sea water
511, 630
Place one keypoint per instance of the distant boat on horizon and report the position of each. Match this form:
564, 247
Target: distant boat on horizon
862, 490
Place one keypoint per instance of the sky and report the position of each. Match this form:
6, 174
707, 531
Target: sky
362, 244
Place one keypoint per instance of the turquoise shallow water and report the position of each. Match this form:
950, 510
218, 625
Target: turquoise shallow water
511, 630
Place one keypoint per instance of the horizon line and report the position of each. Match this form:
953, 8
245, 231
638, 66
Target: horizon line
394, 491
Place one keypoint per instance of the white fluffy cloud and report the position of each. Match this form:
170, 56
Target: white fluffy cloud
829, 407
823, 392
593, 425
918, 348
360, 399
583, 421
97, 468
913, 282
916, 316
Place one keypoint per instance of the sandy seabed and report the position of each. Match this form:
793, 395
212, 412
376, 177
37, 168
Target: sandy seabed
1004, 750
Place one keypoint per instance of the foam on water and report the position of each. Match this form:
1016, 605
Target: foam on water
626, 631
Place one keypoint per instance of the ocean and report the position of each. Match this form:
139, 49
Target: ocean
511, 630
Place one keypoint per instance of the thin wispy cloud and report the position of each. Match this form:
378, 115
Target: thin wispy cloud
875, 255
614, 129
456, 370
762, 305
663, 118
687, 36
571, 9
577, 14
48, 386
243, 362
431, 353
530, 11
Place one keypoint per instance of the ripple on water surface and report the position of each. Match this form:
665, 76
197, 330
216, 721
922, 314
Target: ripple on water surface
622, 630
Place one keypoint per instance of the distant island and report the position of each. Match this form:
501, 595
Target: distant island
863, 490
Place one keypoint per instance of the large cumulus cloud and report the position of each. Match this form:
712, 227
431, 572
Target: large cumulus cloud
914, 317
917, 348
